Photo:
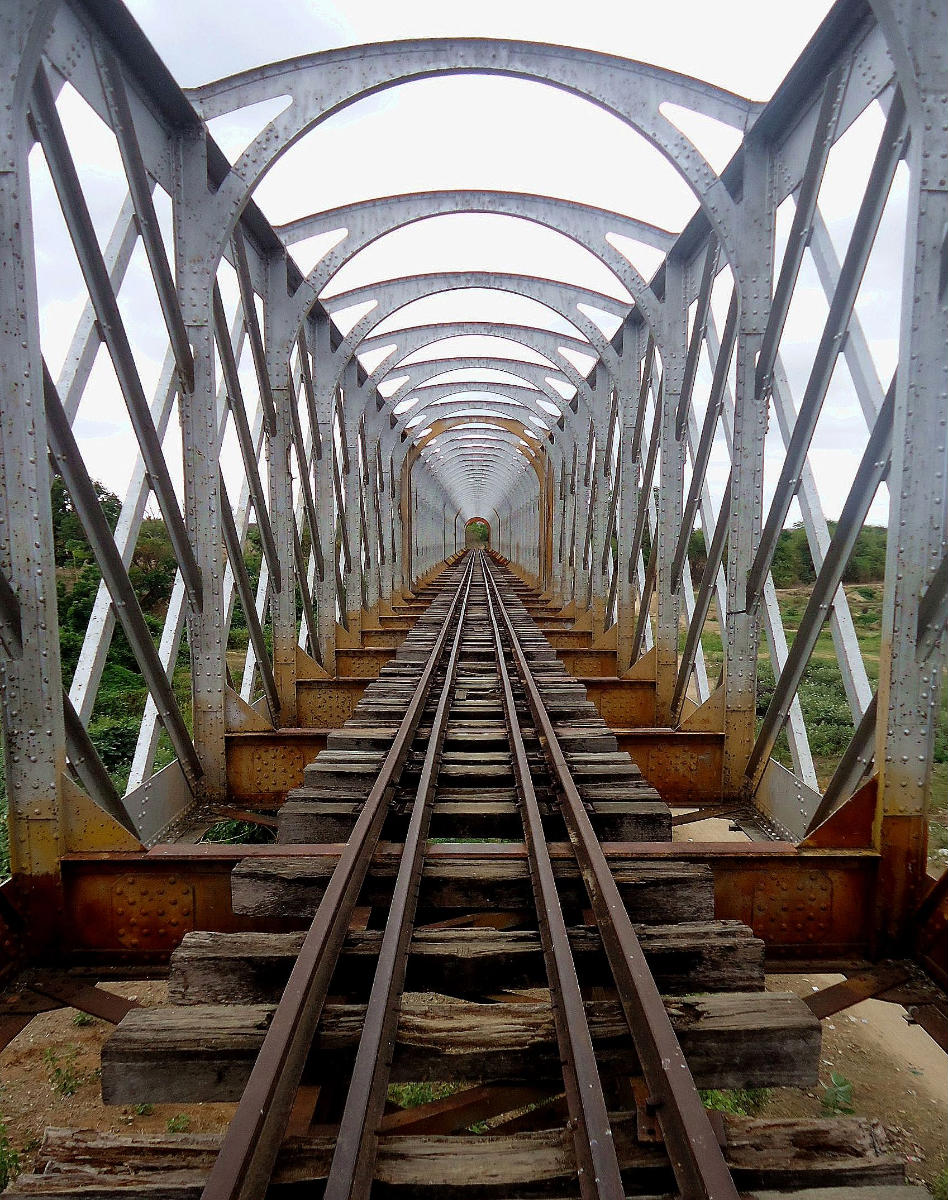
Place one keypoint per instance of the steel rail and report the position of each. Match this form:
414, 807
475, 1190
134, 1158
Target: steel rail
693, 1150
597, 1164
245, 1163
353, 1160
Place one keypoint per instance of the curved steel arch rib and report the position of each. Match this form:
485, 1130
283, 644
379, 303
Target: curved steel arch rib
529, 373
478, 431
477, 493
464, 404
585, 225
545, 341
406, 342
524, 400
319, 85
391, 295
486, 489
487, 459
511, 431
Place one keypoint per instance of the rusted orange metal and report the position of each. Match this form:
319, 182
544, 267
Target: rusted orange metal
901, 882
328, 703
684, 766
385, 637
622, 703
263, 766
582, 662
137, 907
363, 661
851, 825
930, 925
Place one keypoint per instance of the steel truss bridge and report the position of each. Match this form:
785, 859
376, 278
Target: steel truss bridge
368, 443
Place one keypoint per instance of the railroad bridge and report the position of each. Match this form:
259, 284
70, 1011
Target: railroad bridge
487, 669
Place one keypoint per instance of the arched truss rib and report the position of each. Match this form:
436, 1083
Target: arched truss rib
322, 84
583, 224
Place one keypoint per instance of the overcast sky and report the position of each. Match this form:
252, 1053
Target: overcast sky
482, 132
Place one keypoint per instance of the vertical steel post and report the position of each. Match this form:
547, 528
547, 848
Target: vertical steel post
200, 456
908, 689
30, 689
352, 483
323, 387
279, 336
580, 496
599, 475
630, 357
670, 489
373, 510
742, 635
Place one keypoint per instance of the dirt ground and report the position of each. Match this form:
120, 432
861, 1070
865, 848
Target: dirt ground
899, 1077
53, 1055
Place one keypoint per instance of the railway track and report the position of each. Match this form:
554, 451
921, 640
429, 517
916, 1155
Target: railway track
462, 905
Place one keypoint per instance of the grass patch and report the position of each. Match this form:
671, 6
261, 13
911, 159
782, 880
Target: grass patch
239, 833
742, 1102
63, 1072
411, 1095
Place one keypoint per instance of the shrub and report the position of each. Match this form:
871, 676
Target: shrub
115, 739
941, 742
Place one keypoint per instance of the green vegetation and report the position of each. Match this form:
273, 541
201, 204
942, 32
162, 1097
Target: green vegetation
940, 1185
120, 701
743, 1102
477, 533
239, 833
63, 1072
411, 1095
9, 1159
793, 564
179, 1123
838, 1096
